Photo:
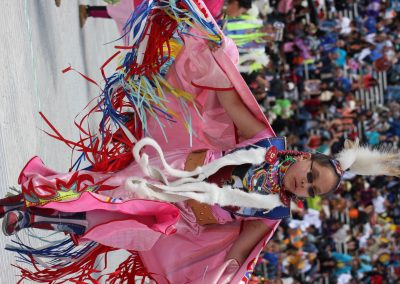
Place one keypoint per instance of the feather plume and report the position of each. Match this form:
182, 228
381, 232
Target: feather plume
364, 160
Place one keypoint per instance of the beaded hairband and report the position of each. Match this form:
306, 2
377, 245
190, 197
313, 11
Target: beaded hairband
338, 170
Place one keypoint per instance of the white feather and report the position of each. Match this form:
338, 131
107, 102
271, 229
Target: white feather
191, 185
250, 156
363, 160
203, 192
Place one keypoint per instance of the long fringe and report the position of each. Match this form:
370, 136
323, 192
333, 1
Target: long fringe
64, 262
135, 92
364, 160
67, 263
154, 28
131, 95
129, 270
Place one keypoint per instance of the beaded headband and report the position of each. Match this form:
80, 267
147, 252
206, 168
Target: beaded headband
338, 170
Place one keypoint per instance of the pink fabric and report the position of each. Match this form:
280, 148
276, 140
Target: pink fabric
193, 253
223, 272
38, 180
121, 12
194, 250
212, 70
145, 221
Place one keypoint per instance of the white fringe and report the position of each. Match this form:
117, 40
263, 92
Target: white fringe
203, 192
191, 185
363, 160
250, 156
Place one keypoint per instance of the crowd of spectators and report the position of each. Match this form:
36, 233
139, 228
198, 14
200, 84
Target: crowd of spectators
322, 56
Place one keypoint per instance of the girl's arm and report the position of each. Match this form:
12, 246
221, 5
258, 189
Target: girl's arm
252, 233
247, 124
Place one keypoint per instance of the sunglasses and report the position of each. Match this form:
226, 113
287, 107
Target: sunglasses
310, 179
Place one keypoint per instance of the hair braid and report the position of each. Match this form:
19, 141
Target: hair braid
292, 153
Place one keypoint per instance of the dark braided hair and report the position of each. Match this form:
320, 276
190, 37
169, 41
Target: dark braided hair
292, 153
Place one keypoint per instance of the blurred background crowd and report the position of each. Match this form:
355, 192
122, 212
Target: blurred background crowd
324, 71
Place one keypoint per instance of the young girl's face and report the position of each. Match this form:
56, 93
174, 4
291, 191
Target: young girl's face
306, 178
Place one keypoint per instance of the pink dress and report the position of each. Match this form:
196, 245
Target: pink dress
172, 247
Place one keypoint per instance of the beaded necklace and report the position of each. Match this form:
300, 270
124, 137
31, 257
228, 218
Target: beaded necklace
281, 169
268, 179
284, 195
